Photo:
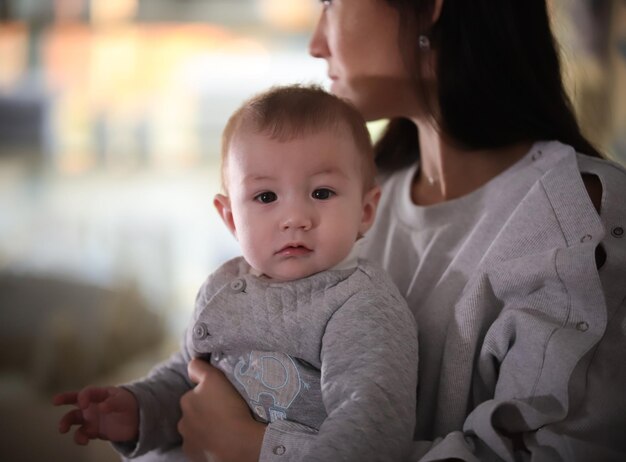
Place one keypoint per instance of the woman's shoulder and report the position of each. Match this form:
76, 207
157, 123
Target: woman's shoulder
600, 165
576, 207
609, 176
608, 171
578, 180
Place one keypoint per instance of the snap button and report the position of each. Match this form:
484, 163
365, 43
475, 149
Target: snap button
586, 237
279, 450
537, 155
618, 231
200, 331
582, 326
238, 285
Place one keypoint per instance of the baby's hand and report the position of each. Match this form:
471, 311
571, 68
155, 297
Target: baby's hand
109, 413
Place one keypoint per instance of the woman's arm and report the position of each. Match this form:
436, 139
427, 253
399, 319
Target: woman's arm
237, 437
549, 381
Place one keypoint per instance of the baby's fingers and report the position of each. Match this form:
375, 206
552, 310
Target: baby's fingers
81, 436
74, 417
91, 395
69, 397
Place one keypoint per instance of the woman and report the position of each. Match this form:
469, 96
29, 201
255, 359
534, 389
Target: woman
499, 222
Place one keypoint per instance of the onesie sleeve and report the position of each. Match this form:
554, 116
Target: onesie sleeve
158, 396
368, 383
159, 393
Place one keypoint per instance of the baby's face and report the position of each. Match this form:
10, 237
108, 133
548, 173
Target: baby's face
296, 207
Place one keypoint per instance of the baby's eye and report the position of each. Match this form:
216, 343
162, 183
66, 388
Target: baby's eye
266, 197
322, 194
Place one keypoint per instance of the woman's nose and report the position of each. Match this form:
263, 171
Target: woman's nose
318, 47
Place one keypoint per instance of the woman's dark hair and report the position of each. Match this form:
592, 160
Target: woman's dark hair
498, 78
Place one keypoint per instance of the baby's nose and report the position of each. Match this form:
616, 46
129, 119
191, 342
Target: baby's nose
297, 219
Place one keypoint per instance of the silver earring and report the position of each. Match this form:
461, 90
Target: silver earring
424, 42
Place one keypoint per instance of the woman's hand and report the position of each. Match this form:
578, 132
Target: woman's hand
216, 421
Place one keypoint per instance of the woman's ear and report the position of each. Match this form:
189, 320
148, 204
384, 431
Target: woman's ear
222, 205
370, 204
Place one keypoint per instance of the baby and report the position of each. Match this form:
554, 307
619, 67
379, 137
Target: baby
306, 333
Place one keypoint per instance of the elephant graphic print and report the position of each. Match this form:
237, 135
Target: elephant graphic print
275, 385
273, 376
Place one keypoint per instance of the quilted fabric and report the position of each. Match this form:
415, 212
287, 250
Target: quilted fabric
335, 353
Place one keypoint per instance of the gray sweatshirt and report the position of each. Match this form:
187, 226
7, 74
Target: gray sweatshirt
334, 354
519, 291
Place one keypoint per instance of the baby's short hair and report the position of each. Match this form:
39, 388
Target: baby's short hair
286, 112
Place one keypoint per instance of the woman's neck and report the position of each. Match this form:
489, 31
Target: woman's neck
447, 172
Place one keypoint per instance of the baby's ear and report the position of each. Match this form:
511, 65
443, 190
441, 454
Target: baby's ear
222, 205
370, 204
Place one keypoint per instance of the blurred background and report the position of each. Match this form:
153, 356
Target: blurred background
111, 113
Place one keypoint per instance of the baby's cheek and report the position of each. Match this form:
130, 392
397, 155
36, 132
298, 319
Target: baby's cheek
254, 254
342, 247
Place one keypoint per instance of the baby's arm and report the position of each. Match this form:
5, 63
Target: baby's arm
109, 413
369, 378
104, 413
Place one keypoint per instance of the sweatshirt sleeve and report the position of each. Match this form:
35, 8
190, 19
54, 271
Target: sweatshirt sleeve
550, 376
368, 382
551, 372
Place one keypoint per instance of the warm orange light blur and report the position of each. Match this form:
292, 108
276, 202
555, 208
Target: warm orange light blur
107, 11
67, 10
116, 77
288, 15
13, 46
